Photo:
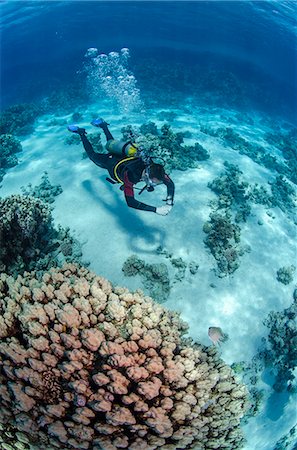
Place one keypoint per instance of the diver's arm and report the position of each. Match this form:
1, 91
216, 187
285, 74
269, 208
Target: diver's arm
130, 199
170, 189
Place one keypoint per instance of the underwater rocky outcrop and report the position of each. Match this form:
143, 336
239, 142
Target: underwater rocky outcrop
85, 365
29, 240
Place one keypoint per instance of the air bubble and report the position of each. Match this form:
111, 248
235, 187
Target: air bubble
109, 73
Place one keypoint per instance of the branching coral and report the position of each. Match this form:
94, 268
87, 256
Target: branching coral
123, 375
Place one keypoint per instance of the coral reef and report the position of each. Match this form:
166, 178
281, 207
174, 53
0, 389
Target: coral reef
287, 143
167, 116
60, 100
179, 264
232, 192
236, 195
285, 274
12, 439
19, 119
283, 194
95, 139
84, 365
72, 139
286, 442
256, 152
223, 238
167, 145
9, 146
259, 194
250, 373
208, 84
280, 347
193, 267
45, 191
155, 277
28, 238
233, 203
278, 354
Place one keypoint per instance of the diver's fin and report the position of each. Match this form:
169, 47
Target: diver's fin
76, 129
99, 122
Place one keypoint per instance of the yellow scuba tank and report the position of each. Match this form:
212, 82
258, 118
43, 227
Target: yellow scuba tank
121, 148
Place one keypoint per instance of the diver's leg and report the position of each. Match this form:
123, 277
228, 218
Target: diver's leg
100, 159
100, 123
107, 133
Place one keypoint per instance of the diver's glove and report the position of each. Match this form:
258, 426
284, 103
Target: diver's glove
169, 201
163, 210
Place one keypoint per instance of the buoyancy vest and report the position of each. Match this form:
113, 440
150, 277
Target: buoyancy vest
117, 168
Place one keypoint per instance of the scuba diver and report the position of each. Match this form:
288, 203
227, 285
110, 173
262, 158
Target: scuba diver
124, 166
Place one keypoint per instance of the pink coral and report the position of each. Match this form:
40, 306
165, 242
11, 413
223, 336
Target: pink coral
80, 369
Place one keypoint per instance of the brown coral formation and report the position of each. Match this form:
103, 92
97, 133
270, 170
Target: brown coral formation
28, 239
84, 365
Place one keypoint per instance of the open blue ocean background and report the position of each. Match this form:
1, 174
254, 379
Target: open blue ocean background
43, 43
222, 74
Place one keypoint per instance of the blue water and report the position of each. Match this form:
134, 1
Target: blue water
237, 56
43, 43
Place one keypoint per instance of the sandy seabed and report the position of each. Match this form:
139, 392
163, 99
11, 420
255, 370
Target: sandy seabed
110, 232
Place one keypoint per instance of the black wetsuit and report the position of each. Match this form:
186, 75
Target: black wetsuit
129, 172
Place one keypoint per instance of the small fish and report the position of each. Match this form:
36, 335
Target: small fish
216, 335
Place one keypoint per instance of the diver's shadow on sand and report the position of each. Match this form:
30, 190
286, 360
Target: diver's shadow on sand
277, 401
142, 237
276, 404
